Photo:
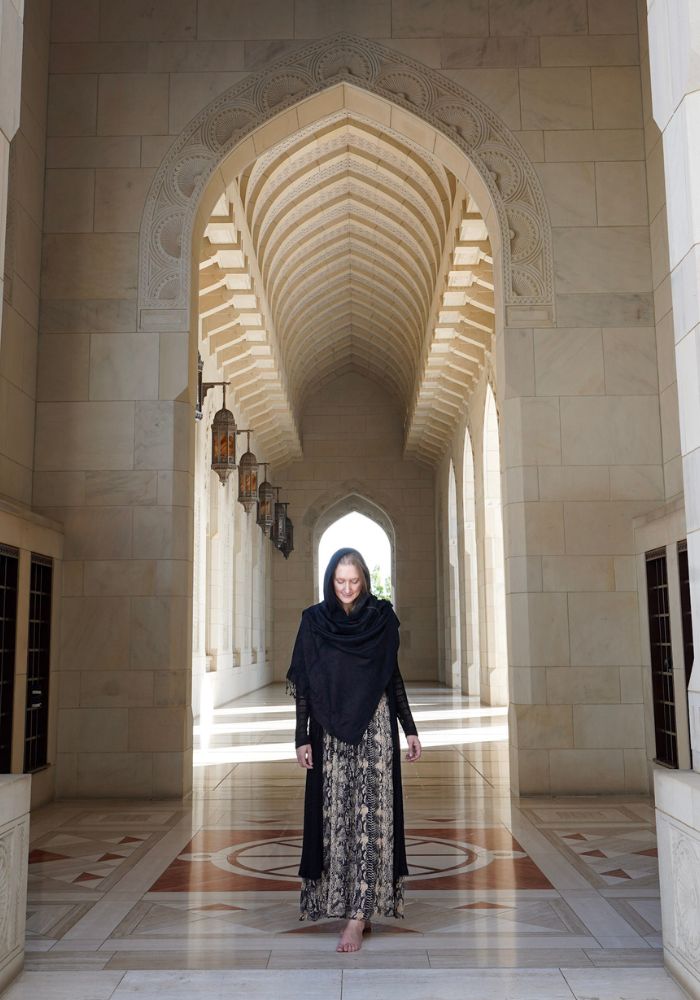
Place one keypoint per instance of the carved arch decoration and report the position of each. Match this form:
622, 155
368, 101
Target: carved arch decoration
502, 164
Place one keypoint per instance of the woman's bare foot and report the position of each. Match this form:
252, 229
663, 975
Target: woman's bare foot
351, 938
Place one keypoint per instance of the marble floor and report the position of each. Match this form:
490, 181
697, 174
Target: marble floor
539, 899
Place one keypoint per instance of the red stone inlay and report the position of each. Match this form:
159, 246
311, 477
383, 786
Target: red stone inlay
653, 852
87, 877
593, 854
111, 857
37, 856
617, 873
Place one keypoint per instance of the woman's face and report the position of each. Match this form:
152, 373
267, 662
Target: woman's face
347, 581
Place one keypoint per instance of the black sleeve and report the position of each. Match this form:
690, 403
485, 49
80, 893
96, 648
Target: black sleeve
403, 709
301, 736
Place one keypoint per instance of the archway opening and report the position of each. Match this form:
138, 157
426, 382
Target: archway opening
454, 586
471, 677
357, 531
494, 673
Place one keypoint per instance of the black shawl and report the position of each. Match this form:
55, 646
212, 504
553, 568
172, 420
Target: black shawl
361, 651
342, 663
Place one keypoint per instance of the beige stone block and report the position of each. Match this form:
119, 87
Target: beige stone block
604, 629
173, 366
630, 361
413, 18
124, 775
589, 50
523, 574
518, 363
88, 316
18, 350
90, 267
124, 366
631, 685
96, 57
625, 576
497, 88
538, 17
26, 252
621, 194
605, 18
666, 351
162, 435
578, 573
658, 235
670, 422
610, 430
69, 152
175, 489
142, 20
119, 577
84, 435
190, 92
611, 259
532, 142
163, 532
94, 633
673, 477
243, 19
636, 482
101, 729
544, 726
637, 771
16, 479
172, 774
529, 771
159, 632
489, 53
595, 526
656, 184
579, 772
617, 97
173, 578
108, 488
68, 690
556, 98
258, 53
69, 201
116, 689
27, 177
528, 686
612, 144
538, 630
58, 489
570, 192
611, 309
72, 579
154, 149
64, 362
574, 482
119, 199
569, 362
158, 729
582, 686
72, 105
133, 104
317, 18
609, 726
531, 431
95, 533
197, 57
75, 20
16, 424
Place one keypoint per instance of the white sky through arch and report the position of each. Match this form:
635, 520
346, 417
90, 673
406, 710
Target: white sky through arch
358, 532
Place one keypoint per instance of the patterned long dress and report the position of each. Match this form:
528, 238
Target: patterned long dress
358, 829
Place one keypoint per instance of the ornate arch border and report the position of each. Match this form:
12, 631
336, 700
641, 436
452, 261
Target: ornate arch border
497, 156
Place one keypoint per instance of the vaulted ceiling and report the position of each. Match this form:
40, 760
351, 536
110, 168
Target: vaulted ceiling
347, 248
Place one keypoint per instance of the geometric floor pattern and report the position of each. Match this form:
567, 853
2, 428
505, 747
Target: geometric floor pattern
532, 899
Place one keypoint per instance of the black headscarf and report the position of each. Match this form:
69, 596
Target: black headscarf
342, 662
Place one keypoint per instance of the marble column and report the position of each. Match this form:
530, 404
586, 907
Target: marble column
14, 840
674, 48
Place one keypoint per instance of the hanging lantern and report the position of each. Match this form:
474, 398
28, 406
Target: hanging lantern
223, 442
266, 499
279, 526
288, 546
248, 478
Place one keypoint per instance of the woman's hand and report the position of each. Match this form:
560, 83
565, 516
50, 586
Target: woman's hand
414, 749
304, 757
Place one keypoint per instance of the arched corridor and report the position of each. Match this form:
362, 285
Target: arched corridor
262, 274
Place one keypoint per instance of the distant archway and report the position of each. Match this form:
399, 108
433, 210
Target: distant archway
494, 662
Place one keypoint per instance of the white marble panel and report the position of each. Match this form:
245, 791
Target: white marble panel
261, 985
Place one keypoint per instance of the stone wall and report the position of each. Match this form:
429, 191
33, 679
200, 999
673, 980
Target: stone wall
579, 403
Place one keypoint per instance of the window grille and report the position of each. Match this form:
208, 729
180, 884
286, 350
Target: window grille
38, 656
9, 569
661, 659
686, 613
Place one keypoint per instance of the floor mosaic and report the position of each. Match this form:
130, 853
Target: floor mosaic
527, 899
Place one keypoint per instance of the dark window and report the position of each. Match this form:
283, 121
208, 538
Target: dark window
36, 728
9, 566
686, 612
661, 659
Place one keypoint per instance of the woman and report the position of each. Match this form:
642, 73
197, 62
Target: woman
349, 694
